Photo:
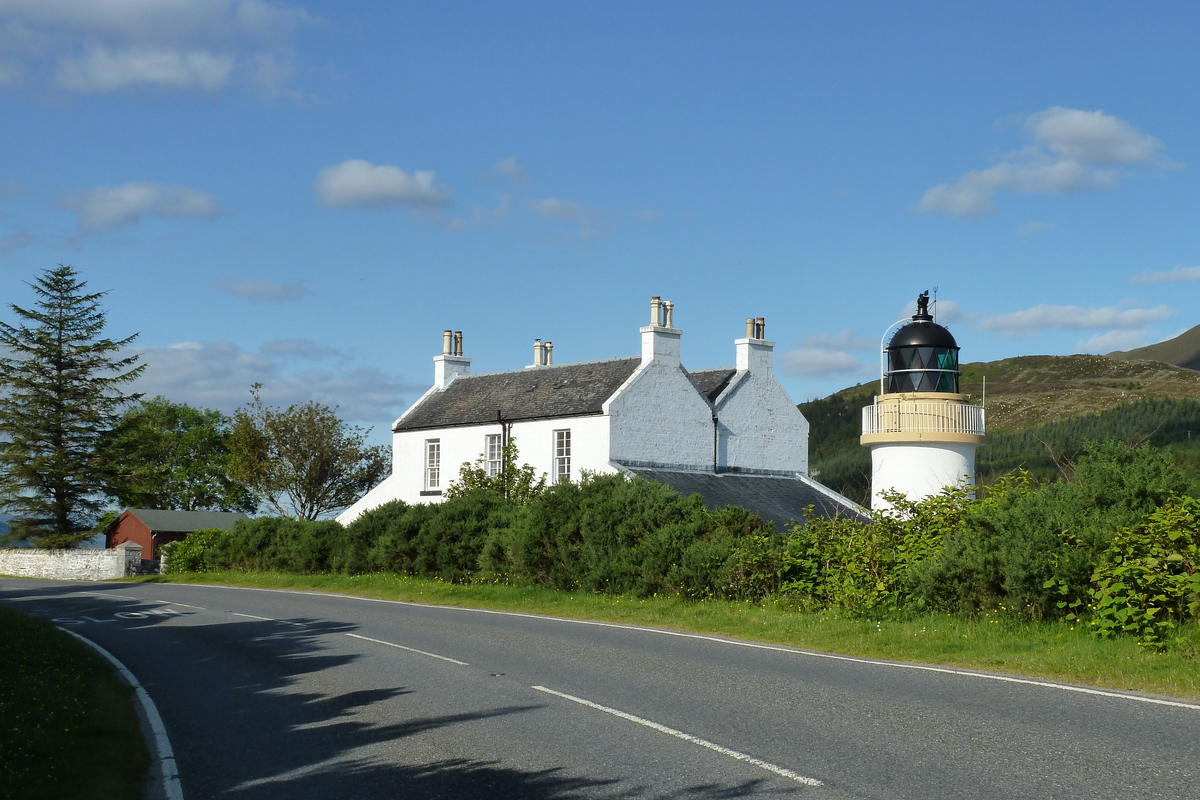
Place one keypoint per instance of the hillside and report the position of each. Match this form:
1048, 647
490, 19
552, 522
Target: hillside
1182, 351
1035, 405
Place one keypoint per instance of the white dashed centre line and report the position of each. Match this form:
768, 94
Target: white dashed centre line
409, 649
687, 737
268, 619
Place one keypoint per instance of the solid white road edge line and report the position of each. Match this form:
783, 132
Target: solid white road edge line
735, 643
687, 737
166, 756
409, 649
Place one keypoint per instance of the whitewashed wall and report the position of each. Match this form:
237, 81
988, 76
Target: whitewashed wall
535, 446
761, 428
659, 417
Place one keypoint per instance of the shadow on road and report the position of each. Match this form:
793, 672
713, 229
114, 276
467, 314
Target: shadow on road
258, 709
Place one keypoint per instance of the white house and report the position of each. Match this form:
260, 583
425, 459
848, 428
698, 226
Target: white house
729, 433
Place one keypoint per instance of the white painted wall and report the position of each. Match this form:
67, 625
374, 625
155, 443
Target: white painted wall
79, 564
659, 417
761, 428
919, 470
535, 446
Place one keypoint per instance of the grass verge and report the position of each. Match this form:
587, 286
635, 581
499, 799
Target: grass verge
999, 642
68, 728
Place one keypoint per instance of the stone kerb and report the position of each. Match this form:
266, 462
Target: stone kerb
80, 565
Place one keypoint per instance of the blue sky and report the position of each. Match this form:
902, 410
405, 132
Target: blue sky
306, 194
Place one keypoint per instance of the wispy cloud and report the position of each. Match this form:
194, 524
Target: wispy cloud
1073, 318
261, 291
100, 46
361, 183
1072, 150
1034, 228
219, 375
1112, 341
18, 240
828, 355
510, 167
301, 348
107, 207
562, 210
1176, 275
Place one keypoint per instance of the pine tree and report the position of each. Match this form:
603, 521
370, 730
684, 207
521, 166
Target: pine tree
59, 391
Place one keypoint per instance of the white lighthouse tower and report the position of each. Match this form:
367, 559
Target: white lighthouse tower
922, 432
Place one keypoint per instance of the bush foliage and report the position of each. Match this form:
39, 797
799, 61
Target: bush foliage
1115, 540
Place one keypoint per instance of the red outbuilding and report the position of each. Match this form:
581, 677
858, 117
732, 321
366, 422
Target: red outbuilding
152, 528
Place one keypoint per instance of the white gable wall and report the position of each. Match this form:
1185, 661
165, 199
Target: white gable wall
761, 428
659, 417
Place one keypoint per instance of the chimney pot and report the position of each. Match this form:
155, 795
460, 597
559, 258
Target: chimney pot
447, 347
749, 327
549, 351
670, 307
760, 328
656, 310
458, 343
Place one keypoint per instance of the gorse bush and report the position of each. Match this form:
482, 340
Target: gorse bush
1118, 540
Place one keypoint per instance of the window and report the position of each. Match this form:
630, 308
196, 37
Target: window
433, 463
562, 456
494, 451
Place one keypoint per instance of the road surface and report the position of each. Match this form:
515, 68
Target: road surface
272, 694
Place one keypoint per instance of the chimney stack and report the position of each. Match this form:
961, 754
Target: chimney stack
450, 364
660, 339
754, 352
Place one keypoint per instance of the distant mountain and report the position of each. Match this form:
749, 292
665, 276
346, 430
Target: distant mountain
1182, 351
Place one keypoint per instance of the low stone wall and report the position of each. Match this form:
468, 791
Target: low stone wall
76, 565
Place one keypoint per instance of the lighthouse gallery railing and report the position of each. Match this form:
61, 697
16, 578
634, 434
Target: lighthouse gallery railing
922, 418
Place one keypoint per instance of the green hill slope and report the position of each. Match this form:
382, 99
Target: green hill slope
1039, 408
1182, 351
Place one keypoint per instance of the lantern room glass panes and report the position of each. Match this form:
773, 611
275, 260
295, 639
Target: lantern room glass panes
922, 369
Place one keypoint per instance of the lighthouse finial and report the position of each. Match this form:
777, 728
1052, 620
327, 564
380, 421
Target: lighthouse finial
923, 306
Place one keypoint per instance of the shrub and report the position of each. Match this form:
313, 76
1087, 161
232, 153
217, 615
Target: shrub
1149, 580
190, 554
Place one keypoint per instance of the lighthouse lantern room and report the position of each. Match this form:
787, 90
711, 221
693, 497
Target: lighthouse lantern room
921, 430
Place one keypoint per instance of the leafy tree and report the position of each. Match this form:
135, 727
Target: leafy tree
302, 461
170, 455
60, 385
517, 483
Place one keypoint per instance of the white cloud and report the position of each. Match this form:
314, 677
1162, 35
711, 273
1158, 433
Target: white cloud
219, 375
1170, 276
301, 348
104, 70
512, 169
88, 46
553, 208
1048, 317
1073, 150
18, 240
818, 362
1111, 341
260, 291
361, 183
107, 207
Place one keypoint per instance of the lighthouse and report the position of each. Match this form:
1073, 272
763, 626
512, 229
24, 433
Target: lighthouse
921, 430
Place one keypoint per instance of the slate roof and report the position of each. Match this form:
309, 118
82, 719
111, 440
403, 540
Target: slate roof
159, 521
558, 390
778, 499
713, 381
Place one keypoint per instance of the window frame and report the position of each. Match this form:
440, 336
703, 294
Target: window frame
562, 455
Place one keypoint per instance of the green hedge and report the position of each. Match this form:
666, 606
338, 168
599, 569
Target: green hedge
1039, 549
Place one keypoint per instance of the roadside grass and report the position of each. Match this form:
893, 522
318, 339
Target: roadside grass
1001, 641
68, 728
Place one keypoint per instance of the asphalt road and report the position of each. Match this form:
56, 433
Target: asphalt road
271, 694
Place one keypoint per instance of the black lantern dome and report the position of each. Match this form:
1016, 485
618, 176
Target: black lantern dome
922, 356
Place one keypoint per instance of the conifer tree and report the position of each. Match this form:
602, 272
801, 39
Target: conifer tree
60, 383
